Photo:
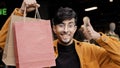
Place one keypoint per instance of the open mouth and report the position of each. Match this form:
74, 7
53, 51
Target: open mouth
65, 38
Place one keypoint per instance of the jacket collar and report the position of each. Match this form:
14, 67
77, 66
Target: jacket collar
55, 46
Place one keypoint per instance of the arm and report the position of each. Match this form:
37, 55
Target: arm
112, 47
109, 53
4, 29
30, 6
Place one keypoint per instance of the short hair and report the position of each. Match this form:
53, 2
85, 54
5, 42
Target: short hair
64, 14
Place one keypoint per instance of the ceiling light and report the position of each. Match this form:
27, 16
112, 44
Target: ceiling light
111, 0
91, 8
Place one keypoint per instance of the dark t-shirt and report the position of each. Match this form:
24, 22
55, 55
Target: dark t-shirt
67, 57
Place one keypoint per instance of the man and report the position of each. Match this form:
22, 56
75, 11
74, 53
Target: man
71, 53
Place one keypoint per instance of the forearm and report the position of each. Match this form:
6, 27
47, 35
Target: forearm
112, 46
4, 29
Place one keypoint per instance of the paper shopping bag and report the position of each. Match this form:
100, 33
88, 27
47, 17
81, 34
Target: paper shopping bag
33, 44
8, 54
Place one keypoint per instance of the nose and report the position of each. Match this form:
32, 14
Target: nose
66, 29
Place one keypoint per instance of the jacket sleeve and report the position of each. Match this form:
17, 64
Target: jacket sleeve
109, 53
4, 29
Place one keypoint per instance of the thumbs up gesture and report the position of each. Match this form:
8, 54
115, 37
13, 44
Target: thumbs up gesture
88, 30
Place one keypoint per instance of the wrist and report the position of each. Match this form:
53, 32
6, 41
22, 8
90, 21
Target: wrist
17, 12
97, 36
21, 11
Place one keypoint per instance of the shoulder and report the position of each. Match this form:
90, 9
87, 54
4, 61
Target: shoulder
88, 48
86, 45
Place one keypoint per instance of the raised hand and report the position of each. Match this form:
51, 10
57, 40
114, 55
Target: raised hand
30, 5
88, 30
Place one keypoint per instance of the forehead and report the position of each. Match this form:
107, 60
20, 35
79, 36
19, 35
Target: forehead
69, 21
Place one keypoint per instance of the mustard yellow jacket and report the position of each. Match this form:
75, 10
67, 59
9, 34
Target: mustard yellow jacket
90, 55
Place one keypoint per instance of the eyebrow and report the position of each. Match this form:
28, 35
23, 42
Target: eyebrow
71, 22
68, 23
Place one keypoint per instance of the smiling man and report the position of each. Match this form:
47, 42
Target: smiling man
69, 52
65, 30
65, 27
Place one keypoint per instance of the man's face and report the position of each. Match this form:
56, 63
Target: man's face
65, 31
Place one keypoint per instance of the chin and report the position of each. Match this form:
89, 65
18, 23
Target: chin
66, 41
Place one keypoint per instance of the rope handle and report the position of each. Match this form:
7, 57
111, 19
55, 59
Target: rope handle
37, 14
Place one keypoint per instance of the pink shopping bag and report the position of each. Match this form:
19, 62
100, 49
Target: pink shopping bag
33, 44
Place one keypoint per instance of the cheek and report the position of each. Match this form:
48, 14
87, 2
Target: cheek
58, 31
61, 30
72, 31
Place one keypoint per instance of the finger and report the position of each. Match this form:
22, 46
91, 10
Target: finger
82, 28
86, 21
32, 5
30, 2
37, 5
87, 34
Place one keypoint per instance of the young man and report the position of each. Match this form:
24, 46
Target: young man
71, 53
74, 54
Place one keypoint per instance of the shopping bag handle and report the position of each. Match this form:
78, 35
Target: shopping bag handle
37, 14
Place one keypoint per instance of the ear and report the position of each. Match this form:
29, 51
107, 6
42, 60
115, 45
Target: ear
54, 29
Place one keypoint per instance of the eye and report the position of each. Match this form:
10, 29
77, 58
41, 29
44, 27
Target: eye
61, 25
71, 25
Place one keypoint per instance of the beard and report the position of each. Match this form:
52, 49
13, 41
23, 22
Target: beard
65, 38
65, 41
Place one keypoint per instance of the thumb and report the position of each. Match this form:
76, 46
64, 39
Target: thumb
37, 5
86, 21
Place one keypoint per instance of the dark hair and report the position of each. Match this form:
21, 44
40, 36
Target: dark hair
64, 14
